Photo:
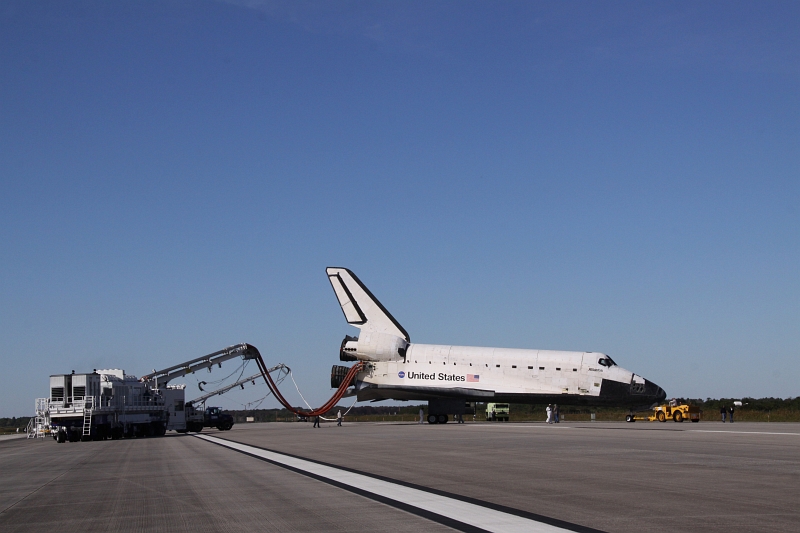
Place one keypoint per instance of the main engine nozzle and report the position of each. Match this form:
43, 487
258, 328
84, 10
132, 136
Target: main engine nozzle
338, 373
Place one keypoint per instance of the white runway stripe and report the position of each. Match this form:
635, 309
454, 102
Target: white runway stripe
467, 513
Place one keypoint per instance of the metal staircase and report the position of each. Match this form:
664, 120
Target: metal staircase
39, 425
88, 407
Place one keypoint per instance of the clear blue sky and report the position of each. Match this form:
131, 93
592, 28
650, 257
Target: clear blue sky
612, 177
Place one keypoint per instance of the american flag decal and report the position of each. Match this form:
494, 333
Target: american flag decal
473, 378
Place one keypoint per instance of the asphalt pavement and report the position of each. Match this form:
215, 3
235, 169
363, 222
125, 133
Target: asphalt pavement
613, 477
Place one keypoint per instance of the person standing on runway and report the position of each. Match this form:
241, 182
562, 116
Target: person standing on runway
316, 421
339, 418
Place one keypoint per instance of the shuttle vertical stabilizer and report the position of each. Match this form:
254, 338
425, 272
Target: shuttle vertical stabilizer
361, 309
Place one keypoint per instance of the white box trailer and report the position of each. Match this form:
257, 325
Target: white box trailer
111, 404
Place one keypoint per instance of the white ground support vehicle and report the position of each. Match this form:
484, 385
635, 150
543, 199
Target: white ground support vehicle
112, 404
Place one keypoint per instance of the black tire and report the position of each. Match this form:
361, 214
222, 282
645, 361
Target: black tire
442, 419
695, 420
61, 437
629, 418
677, 417
432, 419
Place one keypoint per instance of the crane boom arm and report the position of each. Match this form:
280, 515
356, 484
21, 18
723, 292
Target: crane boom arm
226, 388
162, 377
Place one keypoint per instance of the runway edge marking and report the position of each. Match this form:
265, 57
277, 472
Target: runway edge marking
455, 511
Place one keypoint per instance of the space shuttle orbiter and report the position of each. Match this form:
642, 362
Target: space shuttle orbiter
449, 376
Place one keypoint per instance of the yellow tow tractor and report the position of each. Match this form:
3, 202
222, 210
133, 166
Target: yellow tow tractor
677, 412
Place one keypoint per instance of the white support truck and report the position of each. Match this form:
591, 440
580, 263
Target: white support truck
112, 404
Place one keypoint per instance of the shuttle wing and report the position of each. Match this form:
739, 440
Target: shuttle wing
361, 309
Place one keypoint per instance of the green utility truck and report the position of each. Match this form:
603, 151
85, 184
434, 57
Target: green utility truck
497, 412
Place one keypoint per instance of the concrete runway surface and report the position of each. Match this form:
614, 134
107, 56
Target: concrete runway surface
613, 477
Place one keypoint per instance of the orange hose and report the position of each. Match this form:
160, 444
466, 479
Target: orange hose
346, 382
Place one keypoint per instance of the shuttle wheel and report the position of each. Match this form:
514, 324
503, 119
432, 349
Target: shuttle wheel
661, 417
432, 419
677, 417
442, 419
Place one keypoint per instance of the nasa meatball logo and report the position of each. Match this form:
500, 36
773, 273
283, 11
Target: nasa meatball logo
401, 374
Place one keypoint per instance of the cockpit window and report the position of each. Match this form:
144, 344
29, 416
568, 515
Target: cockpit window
606, 361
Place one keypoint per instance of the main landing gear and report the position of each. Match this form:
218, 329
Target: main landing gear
438, 419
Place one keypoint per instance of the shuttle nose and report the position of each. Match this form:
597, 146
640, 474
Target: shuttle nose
651, 390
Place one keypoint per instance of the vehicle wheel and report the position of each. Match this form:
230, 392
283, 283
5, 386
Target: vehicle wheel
661, 417
442, 419
62, 437
678, 417
695, 420
432, 419
629, 418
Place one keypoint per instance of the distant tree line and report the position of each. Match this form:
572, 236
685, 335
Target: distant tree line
15, 422
709, 406
281, 415
754, 404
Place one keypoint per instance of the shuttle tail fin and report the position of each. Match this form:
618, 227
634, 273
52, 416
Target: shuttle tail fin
361, 309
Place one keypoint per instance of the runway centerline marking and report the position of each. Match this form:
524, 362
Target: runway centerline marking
461, 513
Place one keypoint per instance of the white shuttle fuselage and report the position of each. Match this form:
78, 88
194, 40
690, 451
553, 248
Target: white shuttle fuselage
400, 370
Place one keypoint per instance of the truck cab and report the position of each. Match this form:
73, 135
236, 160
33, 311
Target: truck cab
215, 418
497, 412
